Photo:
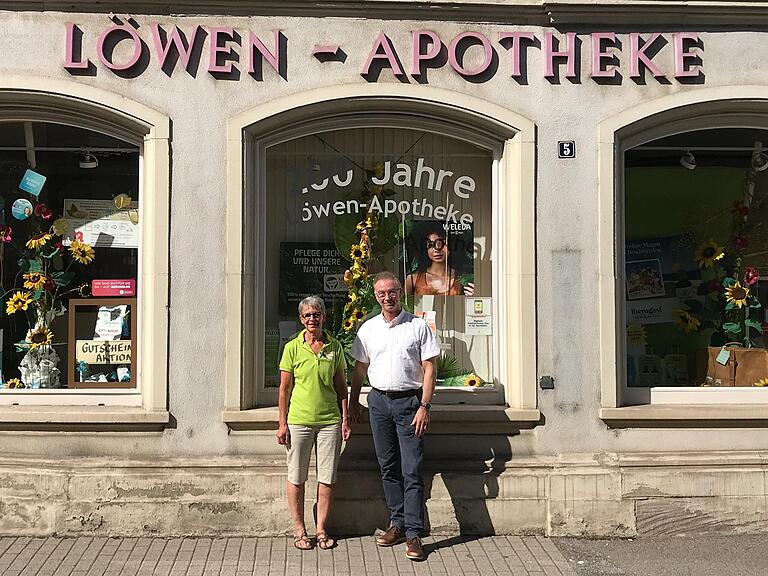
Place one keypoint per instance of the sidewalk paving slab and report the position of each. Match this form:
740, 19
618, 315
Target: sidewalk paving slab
447, 556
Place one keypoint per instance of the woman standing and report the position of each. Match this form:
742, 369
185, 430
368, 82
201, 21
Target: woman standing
312, 412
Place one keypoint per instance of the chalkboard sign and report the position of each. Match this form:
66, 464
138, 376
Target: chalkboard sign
102, 343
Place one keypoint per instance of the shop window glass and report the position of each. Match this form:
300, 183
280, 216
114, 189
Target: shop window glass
345, 204
69, 224
696, 260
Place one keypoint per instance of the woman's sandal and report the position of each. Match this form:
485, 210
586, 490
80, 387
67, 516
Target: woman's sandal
302, 542
325, 542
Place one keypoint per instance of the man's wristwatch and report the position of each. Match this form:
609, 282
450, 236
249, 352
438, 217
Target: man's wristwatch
426, 405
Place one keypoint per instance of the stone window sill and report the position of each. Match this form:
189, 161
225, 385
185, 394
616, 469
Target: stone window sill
82, 418
680, 416
444, 419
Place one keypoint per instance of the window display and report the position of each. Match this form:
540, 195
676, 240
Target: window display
695, 246
101, 341
68, 219
346, 204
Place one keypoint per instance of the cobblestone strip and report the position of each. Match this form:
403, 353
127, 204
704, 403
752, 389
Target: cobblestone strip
449, 562
355, 556
247, 557
135, 557
529, 562
8, 554
40, 557
57, 556
263, 552
370, 555
152, 557
22, 553
556, 556
73, 556
464, 557
89, 556
452, 556
103, 558
513, 561
5, 558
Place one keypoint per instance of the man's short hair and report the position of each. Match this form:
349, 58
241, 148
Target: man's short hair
386, 275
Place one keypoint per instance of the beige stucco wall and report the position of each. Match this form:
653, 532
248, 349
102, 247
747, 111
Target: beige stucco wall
567, 305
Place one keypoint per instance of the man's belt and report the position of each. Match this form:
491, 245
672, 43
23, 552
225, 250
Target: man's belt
399, 393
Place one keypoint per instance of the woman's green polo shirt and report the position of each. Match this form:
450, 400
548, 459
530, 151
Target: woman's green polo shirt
313, 400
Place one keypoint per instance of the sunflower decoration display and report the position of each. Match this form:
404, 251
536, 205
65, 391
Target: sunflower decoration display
47, 270
39, 336
357, 277
709, 253
472, 380
15, 383
686, 320
82, 252
730, 305
736, 295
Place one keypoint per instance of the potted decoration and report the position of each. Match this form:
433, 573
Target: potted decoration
729, 306
47, 271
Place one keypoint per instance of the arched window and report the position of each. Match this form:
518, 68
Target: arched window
84, 254
423, 194
688, 300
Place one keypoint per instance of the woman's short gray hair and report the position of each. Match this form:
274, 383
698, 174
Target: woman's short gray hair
312, 302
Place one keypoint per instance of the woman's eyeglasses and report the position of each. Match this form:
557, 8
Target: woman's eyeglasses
437, 244
315, 315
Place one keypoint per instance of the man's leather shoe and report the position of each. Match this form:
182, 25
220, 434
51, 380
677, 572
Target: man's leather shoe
394, 535
414, 549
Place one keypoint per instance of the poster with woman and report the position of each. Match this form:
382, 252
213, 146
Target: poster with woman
439, 258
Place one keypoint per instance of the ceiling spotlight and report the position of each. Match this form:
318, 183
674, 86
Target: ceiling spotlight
687, 160
88, 160
760, 162
759, 158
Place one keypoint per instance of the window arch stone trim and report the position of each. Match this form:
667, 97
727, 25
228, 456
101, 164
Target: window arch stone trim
76, 104
514, 137
723, 106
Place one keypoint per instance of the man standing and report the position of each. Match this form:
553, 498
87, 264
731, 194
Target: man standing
397, 351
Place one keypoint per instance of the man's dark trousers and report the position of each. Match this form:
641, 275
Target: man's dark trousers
399, 452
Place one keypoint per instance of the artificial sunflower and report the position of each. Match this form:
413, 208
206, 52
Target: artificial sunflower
737, 294
39, 336
35, 280
472, 380
358, 251
15, 383
686, 321
762, 382
82, 252
19, 301
359, 269
38, 240
708, 253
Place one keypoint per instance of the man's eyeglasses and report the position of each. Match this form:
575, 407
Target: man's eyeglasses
383, 295
315, 315
437, 244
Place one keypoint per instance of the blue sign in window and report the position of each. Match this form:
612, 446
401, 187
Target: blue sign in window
32, 182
